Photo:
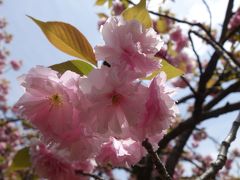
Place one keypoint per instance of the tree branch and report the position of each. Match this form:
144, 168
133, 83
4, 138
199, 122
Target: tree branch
210, 14
156, 160
189, 123
218, 47
222, 156
189, 85
81, 173
177, 152
184, 99
222, 95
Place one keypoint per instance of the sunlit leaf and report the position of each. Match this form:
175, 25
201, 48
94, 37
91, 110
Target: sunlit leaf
21, 160
161, 26
110, 3
139, 13
68, 39
102, 15
125, 2
76, 66
170, 71
100, 2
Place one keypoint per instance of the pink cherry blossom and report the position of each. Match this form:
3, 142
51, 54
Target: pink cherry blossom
160, 110
130, 45
116, 101
79, 144
16, 64
50, 165
48, 103
180, 40
120, 152
235, 20
118, 8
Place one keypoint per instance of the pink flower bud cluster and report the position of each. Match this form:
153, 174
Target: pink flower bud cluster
235, 20
9, 141
175, 55
5, 38
180, 40
103, 117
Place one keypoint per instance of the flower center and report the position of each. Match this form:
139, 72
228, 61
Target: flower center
116, 98
56, 99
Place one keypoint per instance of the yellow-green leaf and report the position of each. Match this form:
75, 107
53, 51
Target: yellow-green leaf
100, 2
68, 39
162, 26
170, 71
139, 13
110, 3
76, 66
21, 160
102, 15
125, 2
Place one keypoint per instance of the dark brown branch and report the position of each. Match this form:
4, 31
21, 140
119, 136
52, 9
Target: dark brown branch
222, 95
156, 160
184, 99
81, 173
222, 156
214, 59
177, 152
218, 47
189, 85
228, 16
188, 124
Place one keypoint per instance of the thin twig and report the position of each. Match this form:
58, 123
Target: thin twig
210, 14
189, 85
228, 56
184, 99
81, 173
156, 160
195, 52
222, 156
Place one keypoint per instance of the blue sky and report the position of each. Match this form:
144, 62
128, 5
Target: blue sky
30, 45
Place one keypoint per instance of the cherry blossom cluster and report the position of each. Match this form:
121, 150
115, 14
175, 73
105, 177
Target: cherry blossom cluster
100, 119
9, 141
5, 38
173, 52
235, 20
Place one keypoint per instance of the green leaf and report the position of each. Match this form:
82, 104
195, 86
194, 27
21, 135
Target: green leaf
21, 160
139, 13
68, 39
100, 2
76, 66
170, 71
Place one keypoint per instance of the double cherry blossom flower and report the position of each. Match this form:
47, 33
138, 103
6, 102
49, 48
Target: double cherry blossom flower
104, 116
